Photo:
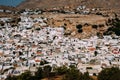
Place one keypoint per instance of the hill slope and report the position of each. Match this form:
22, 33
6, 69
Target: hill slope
7, 8
73, 3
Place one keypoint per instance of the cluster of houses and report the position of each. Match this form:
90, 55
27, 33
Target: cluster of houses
25, 46
31, 11
82, 9
6, 11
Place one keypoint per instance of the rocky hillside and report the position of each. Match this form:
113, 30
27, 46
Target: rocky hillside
7, 8
114, 4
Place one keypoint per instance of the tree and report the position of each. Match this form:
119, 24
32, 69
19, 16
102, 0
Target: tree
39, 74
80, 31
79, 26
86, 76
72, 74
11, 78
115, 27
61, 70
2, 23
95, 53
95, 26
25, 76
116, 76
101, 25
47, 69
43, 62
109, 74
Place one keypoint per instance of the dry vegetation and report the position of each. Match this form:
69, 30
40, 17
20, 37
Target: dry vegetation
71, 20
